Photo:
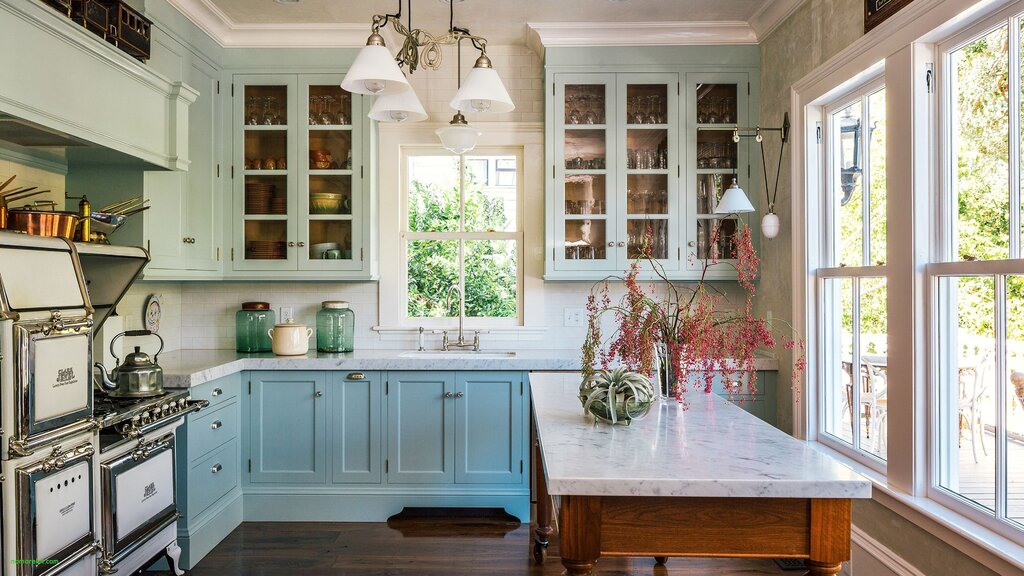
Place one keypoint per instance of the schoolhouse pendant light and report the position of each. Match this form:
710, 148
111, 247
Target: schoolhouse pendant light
734, 201
377, 72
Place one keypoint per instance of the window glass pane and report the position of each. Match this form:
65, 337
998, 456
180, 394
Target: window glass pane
434, 194
873, 380
433, 267
489, 207
847, 129
1015, 398
967, 388
491, 278
980, 135
838, 341
876, 190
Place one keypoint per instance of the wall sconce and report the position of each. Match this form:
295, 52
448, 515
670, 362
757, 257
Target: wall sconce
770, 224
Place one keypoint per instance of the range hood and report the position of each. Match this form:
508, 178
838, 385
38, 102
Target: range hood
109, 272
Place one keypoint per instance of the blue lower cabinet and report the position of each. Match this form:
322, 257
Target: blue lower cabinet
489, 434
755, 396
421, 427
288, 427
355, 399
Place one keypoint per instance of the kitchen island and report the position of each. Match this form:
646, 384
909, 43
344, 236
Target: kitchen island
710, 480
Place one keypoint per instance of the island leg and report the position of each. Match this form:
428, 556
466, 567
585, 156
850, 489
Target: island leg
579, 537
830, 536
544, 530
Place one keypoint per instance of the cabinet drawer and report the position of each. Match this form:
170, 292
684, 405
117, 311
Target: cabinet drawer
209, 429
220, 390
213, 477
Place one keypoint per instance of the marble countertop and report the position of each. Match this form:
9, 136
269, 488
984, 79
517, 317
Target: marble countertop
710, 449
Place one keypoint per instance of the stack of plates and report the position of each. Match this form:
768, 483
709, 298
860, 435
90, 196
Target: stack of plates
265, 250
258, 197
279, 204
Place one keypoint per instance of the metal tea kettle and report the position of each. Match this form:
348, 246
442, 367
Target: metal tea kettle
139, 376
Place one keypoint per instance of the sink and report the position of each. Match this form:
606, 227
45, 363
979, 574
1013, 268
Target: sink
443, 354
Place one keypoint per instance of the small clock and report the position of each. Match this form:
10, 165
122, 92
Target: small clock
151, 313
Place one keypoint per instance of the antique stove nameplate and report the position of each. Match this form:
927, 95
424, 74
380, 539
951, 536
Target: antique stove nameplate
60, 377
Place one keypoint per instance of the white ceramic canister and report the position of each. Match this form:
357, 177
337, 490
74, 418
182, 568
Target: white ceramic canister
290, 339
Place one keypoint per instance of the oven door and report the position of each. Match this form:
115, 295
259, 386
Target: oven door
53, 372
138, 497
55, 511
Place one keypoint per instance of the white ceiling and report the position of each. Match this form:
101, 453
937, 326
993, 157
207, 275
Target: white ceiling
256, 22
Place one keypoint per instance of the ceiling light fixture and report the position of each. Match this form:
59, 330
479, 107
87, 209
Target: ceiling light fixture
376, 72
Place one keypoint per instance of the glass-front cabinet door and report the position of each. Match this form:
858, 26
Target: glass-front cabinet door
585, 146
264, 119
717, 103
615, 171
329, 235
299, 203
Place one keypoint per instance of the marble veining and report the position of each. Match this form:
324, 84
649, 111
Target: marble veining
187, 368
711, 449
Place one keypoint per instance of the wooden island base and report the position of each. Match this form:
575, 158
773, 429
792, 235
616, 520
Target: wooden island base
817, 530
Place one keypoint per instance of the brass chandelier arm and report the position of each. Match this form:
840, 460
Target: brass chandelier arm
418, 39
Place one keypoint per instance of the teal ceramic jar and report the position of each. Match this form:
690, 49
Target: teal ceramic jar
335, 327
251, 325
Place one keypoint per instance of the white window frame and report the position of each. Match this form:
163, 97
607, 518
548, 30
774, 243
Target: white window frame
407, 236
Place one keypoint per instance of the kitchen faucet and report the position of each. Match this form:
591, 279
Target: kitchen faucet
462, 343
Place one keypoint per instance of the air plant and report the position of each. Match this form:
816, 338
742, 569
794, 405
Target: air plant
617, 396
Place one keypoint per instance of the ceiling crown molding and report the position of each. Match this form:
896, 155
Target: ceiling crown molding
642, 33
771, 14
230, 34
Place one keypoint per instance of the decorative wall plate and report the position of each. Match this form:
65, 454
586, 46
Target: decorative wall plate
152, 313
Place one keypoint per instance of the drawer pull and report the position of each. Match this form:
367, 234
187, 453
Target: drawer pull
217, 392
733, 385
448, 394
216, 424
460, 394
357, 376
318, 394
216, 468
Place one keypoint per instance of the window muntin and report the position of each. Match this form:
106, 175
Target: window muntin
463, 229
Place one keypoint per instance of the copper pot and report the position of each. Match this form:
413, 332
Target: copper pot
43, 222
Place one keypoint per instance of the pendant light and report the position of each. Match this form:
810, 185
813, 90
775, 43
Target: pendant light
397, 108
483, 90
734, 201
375, 71
458, 137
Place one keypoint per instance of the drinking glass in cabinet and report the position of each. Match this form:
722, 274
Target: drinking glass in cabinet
585, 150
266, 105
646, 104
710, 188
647, 239
716, 239
646, 149
585, 194
585, 239
584, 104
716, 104
647, 194
715, 149
329, 106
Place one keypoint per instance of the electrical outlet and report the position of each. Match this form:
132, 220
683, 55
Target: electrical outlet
287, 314
573, 317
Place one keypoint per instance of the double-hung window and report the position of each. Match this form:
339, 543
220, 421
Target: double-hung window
852, 282
976, 278
462, 233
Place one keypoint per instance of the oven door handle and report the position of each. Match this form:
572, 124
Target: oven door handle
59, 325
146, 449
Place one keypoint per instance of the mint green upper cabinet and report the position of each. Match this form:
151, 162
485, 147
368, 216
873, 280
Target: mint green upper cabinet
301, 203
615, 172
355, 427
288, 430
421, 427
203, 197
489, 428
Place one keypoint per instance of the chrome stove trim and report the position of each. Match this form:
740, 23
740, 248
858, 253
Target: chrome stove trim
68, 563
26, 509
116, 550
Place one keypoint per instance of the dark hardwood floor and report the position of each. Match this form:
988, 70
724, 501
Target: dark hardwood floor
420, 544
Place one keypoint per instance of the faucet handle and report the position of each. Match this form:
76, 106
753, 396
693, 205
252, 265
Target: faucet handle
444, 341
476, 340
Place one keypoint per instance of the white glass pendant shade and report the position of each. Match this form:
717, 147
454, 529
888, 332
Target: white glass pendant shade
400, 107
483, 91
734, 201
375, 72
770, 225
458, 137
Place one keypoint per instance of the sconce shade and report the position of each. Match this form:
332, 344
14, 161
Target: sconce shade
375, 72
734, 201
458, 136
483, 91
399, 107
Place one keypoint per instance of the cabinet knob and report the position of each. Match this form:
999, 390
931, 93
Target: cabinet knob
216, 468
184, 240
448, 394
216, 424
301, 244
691, 243
291, 244
356, 376
460, 394
611, 244
318, 394
622, 244
217, 392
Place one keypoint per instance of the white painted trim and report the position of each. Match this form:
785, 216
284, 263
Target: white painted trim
771, 14
230, 34
883, 554
642, 33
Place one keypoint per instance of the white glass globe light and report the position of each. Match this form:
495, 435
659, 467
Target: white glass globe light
770, 225
458, 136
